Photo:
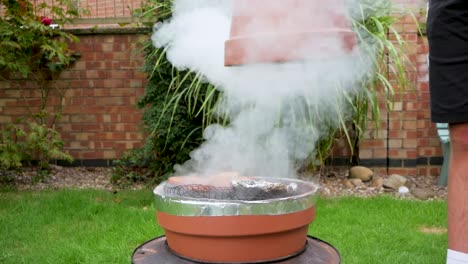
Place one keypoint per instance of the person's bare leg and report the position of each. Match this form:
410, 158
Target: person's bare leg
458, 195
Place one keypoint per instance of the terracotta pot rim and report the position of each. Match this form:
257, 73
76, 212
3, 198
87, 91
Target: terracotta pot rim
187, 206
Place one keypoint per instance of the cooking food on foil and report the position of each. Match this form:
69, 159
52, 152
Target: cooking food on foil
229, 186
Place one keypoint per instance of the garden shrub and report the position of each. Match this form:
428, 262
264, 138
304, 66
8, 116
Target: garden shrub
173, 129
33, 47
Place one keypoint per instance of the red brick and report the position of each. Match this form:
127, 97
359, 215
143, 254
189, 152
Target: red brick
395, 143
110, 83
109, 154
375, 143
397, 153
410, 143
101, 57
410, 125
402, 171
412, 154
82, 118
423, 49
121, 74
130, 118
411, 28
137, 135
380, 153
423, 86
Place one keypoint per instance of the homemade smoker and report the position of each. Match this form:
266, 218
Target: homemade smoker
232, 218
228, 218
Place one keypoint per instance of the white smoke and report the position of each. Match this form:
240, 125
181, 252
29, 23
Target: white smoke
277, 112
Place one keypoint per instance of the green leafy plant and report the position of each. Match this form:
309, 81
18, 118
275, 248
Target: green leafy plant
32, 47
37, 143
154, 10
171, 118
133, 167
29, 44
11, 149
44, 144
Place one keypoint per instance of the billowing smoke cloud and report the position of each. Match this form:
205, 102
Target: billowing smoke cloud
277, 111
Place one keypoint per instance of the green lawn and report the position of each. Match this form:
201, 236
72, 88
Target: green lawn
383, 230
86, 226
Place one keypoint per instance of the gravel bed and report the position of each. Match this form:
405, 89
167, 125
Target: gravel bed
334, 184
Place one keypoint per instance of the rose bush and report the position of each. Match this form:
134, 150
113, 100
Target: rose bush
30, 49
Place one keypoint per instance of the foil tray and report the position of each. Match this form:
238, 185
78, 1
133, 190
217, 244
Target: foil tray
303, 197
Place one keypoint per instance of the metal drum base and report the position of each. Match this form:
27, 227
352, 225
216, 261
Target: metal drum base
156, 251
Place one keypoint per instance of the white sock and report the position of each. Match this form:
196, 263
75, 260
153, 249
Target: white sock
455, 257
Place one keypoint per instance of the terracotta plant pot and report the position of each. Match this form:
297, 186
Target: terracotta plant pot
236, 231
268, 31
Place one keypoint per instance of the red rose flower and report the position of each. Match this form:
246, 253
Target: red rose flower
23, 5
46, 21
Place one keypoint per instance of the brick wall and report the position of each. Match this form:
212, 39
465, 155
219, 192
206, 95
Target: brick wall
100, 119
407, 142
